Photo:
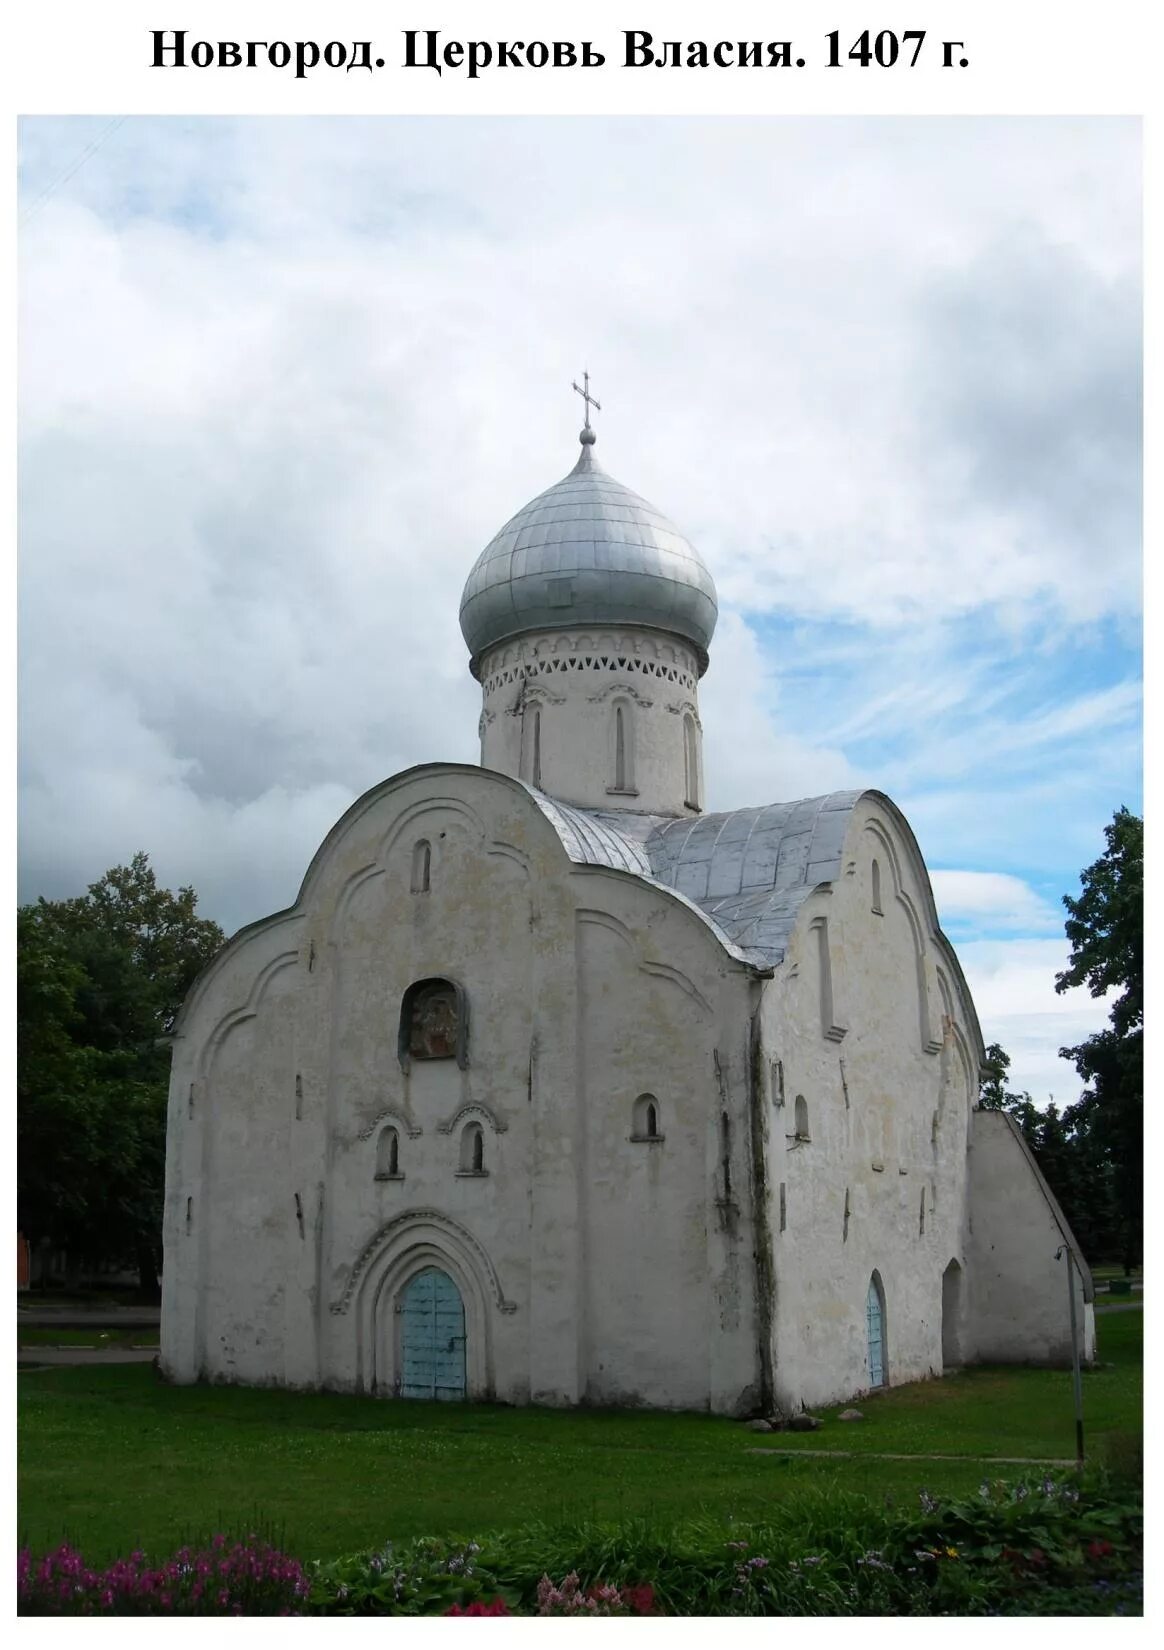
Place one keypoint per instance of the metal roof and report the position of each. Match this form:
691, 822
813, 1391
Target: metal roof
588, 551
748, 871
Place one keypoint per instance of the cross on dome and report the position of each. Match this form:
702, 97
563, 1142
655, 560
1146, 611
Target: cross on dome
587, 436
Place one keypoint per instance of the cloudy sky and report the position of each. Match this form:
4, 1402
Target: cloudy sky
282, 379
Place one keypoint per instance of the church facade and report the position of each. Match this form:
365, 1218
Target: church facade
553, 1087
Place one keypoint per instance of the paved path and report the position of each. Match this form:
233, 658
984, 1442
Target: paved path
1121, 1306
880, 1455
88, 1317
56, 1357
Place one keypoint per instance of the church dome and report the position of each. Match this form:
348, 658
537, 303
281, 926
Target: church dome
588, 551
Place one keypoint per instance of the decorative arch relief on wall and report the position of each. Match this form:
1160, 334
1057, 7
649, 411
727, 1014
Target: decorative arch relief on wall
954, 1036
391, 1114
245, 1011
408, 821
507, 851
419, 1219
930, 1042
346, 896
478, 1111
533, 693
687, 707
613, 690
832, 1018
659, 970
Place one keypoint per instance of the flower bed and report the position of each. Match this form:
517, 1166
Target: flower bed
243, 1578
1047, 1546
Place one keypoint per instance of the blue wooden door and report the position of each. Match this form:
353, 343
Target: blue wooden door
432, 1337
875, 1330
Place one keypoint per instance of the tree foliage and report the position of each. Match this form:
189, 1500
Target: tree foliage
100, 979
1105, 926
1092, 1152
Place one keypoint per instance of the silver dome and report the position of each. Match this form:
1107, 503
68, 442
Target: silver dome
587, 551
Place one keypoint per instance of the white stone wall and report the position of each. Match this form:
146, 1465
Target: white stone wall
593, 1268
1019, 1308
550, 704
883, 1051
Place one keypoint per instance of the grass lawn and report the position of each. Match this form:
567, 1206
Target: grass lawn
86, 1337
111, 1459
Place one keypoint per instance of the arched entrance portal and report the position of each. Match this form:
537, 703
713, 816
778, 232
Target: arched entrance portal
875, 1331
432, 1337
952, 1316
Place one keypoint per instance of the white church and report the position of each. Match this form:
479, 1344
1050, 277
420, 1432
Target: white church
553, 1087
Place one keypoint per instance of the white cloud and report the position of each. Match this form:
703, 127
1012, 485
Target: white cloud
282, 380
1013, 986
992, 900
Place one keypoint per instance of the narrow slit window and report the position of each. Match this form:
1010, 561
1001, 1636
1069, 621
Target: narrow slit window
801, 1118
877, 889
421, 867
537, 750
690, 762
622, 749
472, 1149
388, 1154
645, 1119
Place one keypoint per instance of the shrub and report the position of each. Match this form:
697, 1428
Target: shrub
425, 1577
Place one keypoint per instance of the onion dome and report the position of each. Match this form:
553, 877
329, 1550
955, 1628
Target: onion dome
587, 551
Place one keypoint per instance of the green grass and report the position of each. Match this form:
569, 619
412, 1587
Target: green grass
111, 1459
85, 1337
97, 1297
1001, 1411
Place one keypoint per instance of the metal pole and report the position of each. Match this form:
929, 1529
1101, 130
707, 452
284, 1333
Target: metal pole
1076, 1377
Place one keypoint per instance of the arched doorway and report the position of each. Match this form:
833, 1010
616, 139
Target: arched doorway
875, 1332
432, 1337
952, 1316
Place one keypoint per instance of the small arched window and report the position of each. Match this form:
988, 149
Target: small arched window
876, 1331
472, 1149
800, 1121
434, 1023
876, 878
388, 1154
690, 762
622, 749
645, 1119
421, 867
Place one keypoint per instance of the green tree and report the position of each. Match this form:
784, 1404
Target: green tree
1105, 927
993, 1094
100, 979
